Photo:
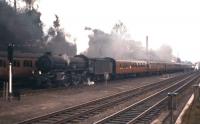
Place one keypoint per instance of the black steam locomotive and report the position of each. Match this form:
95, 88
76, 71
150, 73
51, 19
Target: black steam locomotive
60, 71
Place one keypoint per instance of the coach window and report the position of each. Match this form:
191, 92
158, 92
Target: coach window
16, 63
127, 66
122, 65
27, 63
2, 63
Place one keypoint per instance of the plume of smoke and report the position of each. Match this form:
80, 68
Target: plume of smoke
102, 44
66, 57
56, 40
165, 53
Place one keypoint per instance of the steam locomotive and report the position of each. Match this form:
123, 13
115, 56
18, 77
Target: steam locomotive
57, 70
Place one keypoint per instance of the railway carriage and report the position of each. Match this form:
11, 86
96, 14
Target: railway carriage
156, 67
23, 65
124, 68
3, 67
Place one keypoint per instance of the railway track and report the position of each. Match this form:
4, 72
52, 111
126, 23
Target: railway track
30, 91
145, 110
181, 102
84, 111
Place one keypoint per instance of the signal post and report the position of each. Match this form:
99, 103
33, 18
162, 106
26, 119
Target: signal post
10, 60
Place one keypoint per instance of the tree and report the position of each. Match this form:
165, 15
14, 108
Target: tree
23, 28
29, 4
119, 29
56, 23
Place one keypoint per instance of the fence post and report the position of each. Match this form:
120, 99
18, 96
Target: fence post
196, 93
5, 90
172, 105
3, 93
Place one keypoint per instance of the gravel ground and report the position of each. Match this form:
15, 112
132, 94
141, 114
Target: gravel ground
34, 105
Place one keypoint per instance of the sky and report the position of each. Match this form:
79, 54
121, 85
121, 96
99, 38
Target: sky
172, 22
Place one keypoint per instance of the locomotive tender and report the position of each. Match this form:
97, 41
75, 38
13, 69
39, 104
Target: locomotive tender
56, 70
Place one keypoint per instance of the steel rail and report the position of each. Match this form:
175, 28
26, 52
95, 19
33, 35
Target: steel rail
95, 105
134, 110
159, 105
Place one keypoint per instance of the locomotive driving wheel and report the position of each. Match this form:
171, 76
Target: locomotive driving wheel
65, 82
47, 84
42, 82
76, 79
62, 80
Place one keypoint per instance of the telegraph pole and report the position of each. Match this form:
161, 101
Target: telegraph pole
147, 49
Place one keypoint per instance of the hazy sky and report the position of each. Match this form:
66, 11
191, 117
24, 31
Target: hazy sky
172, 22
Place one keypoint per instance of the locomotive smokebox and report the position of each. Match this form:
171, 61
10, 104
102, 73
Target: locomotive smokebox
50, 62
